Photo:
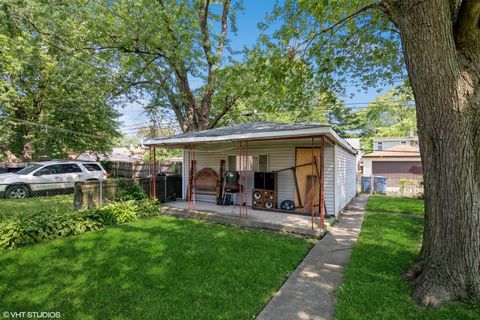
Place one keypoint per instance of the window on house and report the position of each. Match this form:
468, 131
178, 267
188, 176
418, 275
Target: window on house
262, 163
379, 145
403, 142
232, 163
253, 163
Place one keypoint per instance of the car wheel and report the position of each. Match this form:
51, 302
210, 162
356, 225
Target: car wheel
18, 192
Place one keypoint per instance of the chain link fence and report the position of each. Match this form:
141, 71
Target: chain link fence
399, 185
31, 198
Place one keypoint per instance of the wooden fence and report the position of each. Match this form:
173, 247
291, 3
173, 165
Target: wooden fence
140, 169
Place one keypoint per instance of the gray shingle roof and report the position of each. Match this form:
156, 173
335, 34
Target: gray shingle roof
250, 131
252, 127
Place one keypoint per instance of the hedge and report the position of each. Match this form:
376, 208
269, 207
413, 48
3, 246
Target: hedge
29, 229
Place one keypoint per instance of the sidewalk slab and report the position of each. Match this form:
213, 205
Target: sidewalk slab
310, 292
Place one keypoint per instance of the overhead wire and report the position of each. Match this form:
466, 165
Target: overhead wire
49, 127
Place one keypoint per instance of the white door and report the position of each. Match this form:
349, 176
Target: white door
47, 178
71, 173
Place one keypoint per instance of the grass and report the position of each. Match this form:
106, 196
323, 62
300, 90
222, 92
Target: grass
11, 207
157, 268
395, 204
372, 287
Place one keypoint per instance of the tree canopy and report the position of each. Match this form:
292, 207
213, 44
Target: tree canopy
51, 103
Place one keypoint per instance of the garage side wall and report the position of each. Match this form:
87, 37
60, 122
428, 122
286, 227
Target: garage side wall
281, 155
345, 178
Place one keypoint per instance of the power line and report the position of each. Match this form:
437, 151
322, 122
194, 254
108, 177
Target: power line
48, 127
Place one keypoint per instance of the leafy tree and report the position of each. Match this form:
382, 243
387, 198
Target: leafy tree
389, 115
167, 51
438, 44
50, 103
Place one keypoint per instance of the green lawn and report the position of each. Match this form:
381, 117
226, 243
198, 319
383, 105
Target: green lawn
372, 287
12, 207
157, 268
395, 204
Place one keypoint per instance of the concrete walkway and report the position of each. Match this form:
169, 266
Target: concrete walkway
310, 292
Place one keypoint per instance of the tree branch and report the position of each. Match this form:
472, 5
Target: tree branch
223, 36
347, 18
180, 72
229, 104
203, 17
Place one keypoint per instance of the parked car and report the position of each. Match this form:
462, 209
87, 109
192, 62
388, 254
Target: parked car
43, 177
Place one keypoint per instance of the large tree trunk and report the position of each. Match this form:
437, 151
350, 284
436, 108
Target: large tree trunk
443, 67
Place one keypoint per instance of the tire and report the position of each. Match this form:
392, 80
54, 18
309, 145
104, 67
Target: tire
17, 192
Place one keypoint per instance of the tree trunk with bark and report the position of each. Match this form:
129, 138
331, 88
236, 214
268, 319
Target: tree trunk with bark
441, 43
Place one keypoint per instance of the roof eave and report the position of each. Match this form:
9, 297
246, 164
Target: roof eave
268, 135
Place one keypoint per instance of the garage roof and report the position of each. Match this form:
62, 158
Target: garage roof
397, 151
252, 131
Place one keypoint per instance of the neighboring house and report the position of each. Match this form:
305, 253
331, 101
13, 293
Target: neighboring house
396, 158
382, 143
285, 151
117, 154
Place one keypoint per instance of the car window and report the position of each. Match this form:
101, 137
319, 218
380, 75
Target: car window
70, 168
92, 167
48, 170
28, 169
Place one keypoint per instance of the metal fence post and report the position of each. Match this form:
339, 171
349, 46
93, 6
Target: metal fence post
101, 193
165, 195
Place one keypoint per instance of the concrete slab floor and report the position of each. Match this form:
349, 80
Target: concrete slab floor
281, 221
310, 292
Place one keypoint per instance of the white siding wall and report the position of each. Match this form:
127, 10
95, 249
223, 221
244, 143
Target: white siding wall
281, 155
345, 177
329, 166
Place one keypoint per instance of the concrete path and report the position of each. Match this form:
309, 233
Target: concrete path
310, 292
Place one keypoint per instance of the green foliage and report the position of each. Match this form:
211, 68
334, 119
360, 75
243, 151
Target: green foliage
373, 288
389, 115
163, 154
365, 47
41, 226
125, 211
29, 228
44, 84
129, 190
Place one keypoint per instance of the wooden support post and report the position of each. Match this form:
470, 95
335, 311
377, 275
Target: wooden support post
150, 170
322, 184
194, 161
246, 178
189, 184
154, 173
312, 187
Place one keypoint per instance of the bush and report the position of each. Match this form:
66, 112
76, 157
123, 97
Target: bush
121, 212
129, 190
29, 229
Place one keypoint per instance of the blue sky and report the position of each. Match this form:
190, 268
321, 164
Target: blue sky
254, 12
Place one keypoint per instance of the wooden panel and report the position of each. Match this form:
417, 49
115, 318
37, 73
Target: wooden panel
304, 156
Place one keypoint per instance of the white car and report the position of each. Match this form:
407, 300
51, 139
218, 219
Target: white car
51, 175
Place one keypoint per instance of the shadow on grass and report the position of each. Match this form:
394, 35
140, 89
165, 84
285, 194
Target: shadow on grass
372, 287
159, 268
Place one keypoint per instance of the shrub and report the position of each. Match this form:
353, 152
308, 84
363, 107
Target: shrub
29, 229
129, 190
23, 230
